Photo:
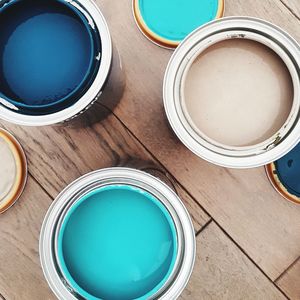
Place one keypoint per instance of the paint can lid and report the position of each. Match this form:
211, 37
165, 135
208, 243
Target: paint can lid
168, 22
284, 175
13, 170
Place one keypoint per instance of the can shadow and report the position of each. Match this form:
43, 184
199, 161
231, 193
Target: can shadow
108, 99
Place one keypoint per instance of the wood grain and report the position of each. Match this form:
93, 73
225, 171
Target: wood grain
223, 272
290, 281
242, 202
21, 276
293, 6
58, 155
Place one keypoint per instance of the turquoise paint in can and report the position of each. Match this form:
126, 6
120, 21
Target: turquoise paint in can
117, 242
117, 233
168, 22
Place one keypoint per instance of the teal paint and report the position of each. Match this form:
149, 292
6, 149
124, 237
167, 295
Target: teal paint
288, 171
117, 242
47, 54
175, 19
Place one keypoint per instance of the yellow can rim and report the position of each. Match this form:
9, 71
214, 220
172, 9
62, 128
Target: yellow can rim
278, 186
155, 38
21, 171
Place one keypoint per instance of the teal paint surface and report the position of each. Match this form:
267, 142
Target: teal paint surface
47, 53
175, 19
117, 243
288, 170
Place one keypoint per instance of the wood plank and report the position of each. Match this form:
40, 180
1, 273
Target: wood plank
20, 272
222, 271
290, 281
58, 155
293, 6
242, 202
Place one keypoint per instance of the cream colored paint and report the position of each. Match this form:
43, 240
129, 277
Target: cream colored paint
8, 170
238, 92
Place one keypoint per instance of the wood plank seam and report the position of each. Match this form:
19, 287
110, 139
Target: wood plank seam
154, 158
245, 253
288, 268
291, 10
40, 185
204, 226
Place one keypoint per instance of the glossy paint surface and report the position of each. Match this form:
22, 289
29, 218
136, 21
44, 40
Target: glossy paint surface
46, 52
117, 242
288, 171
175, 19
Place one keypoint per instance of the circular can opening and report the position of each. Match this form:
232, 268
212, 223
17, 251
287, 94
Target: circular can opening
117, 242
81, 48
47, 55
232, 93
237, 92
167, 22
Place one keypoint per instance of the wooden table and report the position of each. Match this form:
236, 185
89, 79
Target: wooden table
248, 237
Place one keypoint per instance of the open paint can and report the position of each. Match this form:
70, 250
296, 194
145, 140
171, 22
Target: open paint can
55, 58
13, 170
284, 175
166, 23
231, 92
117, 233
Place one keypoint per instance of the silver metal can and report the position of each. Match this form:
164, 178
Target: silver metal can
186, 250
97, 25
201, 39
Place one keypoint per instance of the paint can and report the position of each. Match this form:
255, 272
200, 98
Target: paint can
13, 170
146, 241
55, 58
284, 175
234, 30
166, 23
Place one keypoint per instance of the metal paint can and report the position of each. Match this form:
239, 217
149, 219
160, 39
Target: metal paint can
201, 39
13, 169
102, 179
284, 175
87, 14
166, 24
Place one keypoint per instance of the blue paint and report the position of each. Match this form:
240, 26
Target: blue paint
175, 19
47, 54
288, 170
117, 242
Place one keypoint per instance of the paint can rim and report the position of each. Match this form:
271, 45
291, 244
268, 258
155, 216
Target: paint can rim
154, 37
97, 21
21, 171
131, 177
233, 157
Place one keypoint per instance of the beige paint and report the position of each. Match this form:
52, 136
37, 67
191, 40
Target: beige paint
8, 170
238, 92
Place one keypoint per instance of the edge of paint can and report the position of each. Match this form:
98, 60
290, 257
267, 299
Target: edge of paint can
96, 21
21, 171
228, 28
154, 37
185, 231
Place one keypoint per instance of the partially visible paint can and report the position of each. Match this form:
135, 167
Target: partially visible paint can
55, 58
117, 233
13, 170
242, 112
166, 23
284, 175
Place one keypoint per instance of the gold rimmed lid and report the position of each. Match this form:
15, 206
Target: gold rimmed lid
13, 170
166, 24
